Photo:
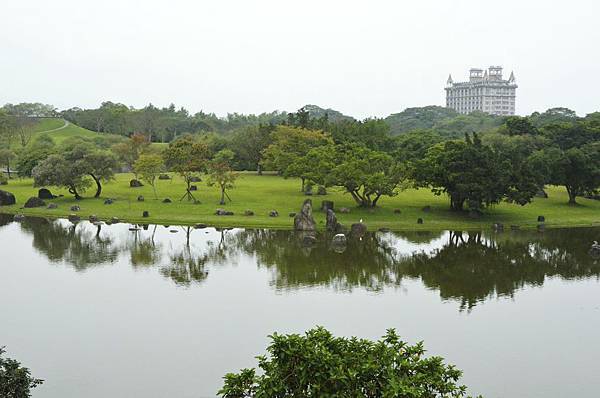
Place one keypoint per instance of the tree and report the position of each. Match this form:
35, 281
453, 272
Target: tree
38, 149
15, 380
221, 174
468, 171
248, 145
367, 175
130, 150
6, 157
318, 364
149, 167
290, 144
57, 171
577, 169
517, 125
101, 166
188, 157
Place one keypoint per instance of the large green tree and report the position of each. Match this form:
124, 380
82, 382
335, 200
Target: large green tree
467, 171
149, 167
221, 174
188, 157
55, 170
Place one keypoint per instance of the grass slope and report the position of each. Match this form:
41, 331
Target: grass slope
264, 193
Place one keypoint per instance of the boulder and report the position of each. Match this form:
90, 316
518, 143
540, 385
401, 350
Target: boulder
273, 213
321, 190
74, 218
164, 177
308, 190
248, 213
200, 226
75, 208
195, 179
344, 210
52, 206
541, 219
7, 198
326, 205
45, 193
222, 212
145, 214
331, 222
358, 230
166, 200
292, 214
108, 201
140, 198
193, 187
135, 183
34, 202
304, 221
397, 211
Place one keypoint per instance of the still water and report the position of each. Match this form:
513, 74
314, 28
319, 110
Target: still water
167, 311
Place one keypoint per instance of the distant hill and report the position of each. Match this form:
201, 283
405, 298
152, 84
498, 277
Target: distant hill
334, 116
423, 118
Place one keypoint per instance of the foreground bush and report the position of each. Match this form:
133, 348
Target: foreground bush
321, 365
15, 380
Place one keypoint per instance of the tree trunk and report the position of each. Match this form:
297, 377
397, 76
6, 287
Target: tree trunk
8, 168
259, 170
456, 203
302, 178
222, 202
572, 195
73, 191
98, 186
374, 203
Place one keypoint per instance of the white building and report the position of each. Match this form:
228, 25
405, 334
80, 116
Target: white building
485, 91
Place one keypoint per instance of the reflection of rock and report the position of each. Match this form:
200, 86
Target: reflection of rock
595, 250
304, 221
332, 224
338, 243
7, 198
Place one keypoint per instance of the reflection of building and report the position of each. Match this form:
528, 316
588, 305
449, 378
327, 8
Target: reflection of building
485, 91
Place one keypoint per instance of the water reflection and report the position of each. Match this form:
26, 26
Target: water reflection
463, 267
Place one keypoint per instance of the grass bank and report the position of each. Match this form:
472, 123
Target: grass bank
261, 194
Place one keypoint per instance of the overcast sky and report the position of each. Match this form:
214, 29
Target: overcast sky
364, 58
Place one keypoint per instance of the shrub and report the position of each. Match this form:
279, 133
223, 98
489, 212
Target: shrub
318, 364
15, 380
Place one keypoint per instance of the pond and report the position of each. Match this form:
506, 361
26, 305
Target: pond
115, 311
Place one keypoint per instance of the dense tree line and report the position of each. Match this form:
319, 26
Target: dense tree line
477, 160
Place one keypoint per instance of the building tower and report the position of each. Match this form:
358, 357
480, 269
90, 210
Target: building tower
486, 91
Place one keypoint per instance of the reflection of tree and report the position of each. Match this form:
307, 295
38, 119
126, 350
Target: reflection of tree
471, 268
368, 263
79, 247
467, 267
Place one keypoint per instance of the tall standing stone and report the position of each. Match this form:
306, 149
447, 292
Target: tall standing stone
304, 221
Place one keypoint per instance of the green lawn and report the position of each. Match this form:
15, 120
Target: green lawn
264, 193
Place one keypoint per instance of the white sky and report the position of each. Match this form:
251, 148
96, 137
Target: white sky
363, 58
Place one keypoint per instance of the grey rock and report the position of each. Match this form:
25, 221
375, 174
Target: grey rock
75, 208
304, 221
135, 183
108, 202
331, 222
166, 200
74, 218
358, 230
145, 214
45, 193
326, 205
273, 213
248, 213
541, 219
344, 210
19, 217
34, 202
193, 188
195, 179
222, 212
321, 190
93, 218
140, 198
7, 198
52, 206
164, 177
